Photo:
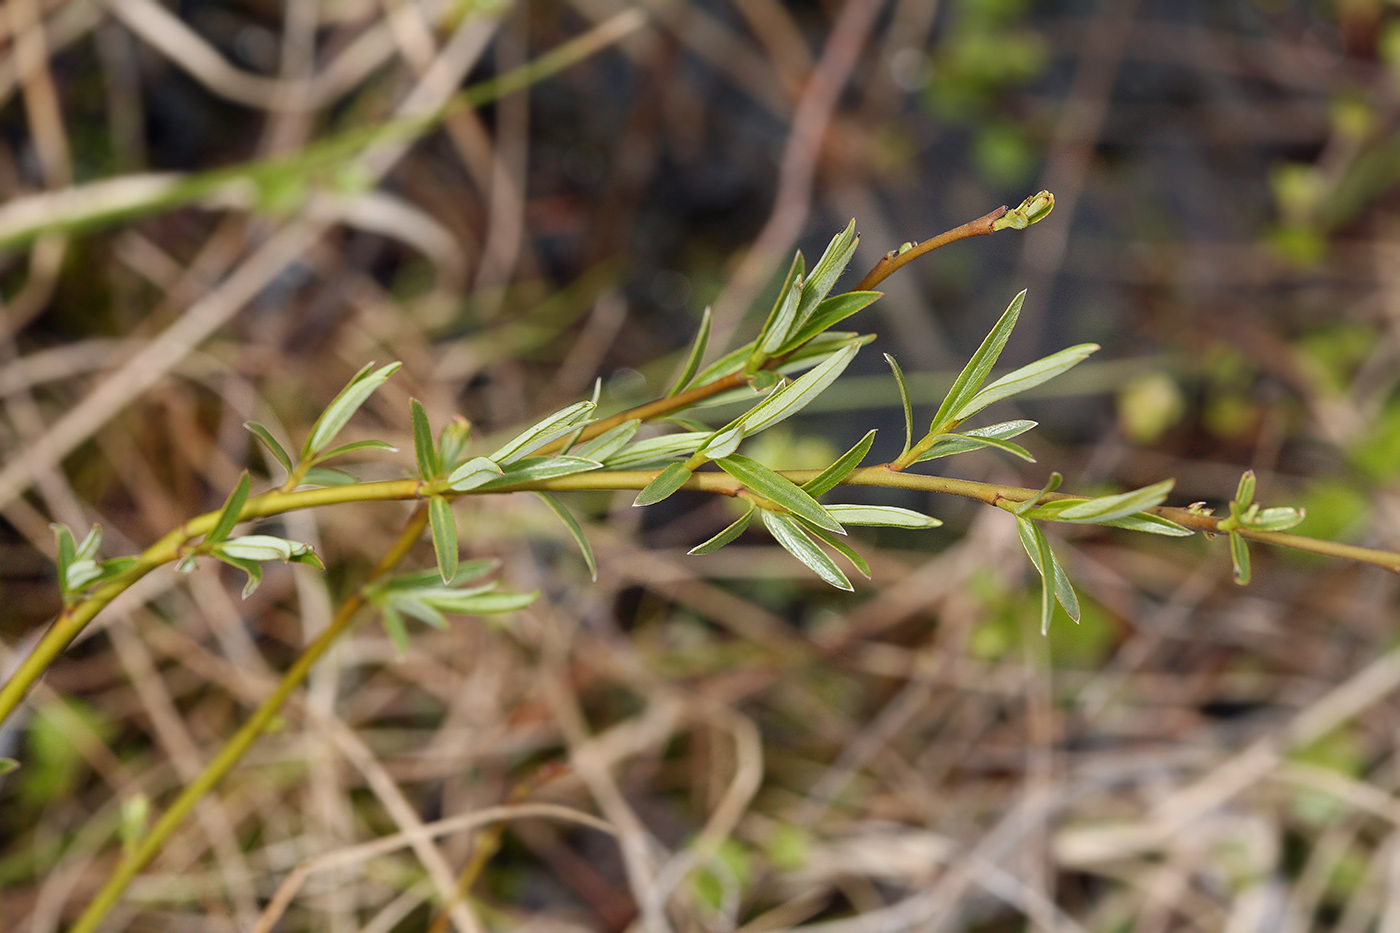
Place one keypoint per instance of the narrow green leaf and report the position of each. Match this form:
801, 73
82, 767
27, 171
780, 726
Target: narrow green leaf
726, 365
328, 476
1244, 495
1036, 545
354, 447
1056, 583
781, 319
666, 482
788, 400
697, 353
831, 477
444, 528
727, 535
423, 448
608, 443
970, 380
1239, 557
233, 508
67, 551
534, 469
841, 547
723, 443
542, 432
830, 312
394, 627
827, 270
1027, 377
413, 606
779, 489
1151, 524
279, 453
344, 406
1105, 508
881, 516
1064, 590
473, 473
578, 430
250, 567
820, 347
258, 547
1050, 486
1016, 450
1279, 518
655, 449
487, 604
796, 542
80, 575
572, 525
908, 405
947, 445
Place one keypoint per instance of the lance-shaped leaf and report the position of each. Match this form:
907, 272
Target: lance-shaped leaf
1027, 377
831, 477
784, 314
830, 312
1053, 577
542, 432
609, 442
1051, 484
575, 532
723, 443
354, 447
970, 380
233, 508
1239, 558
796, 542
247, 552
779, 489
327, 476
534, 469
475, 472
946, 445
908, 405
424, 450
443, 525
727, 535
344, 406
278, 452
1244, 495
881, 516
666, 482
827, 270
697, 353
788, 400
726, 365
1278, 518
1104, 508
266, 547
841, 547
654, 449
1151, 524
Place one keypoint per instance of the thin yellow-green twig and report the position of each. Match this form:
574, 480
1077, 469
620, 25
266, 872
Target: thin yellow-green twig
232, 751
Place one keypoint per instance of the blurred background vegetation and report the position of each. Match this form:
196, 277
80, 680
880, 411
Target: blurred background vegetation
913, 756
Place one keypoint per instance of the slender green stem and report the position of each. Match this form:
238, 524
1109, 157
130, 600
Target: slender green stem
229, 756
